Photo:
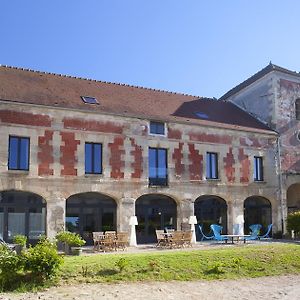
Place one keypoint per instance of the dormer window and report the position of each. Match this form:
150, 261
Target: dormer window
157, 128
89, 100
297, 109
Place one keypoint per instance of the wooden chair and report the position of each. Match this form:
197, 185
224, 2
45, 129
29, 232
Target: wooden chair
161, 238
187, 238
122, 240
97, 239
176, 240
108, 242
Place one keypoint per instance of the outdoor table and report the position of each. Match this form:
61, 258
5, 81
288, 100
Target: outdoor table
236, 237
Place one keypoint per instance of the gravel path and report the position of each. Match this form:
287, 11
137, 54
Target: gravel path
282, 287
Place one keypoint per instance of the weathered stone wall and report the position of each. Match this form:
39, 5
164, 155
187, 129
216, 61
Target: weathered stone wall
57, 139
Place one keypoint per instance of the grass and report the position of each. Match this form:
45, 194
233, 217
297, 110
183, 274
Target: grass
222, 263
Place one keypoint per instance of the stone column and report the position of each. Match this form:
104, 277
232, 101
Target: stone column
126, 209
236, 218
184, 210
56, 206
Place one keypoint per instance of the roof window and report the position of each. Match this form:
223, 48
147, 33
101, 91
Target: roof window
201, 115
89, 100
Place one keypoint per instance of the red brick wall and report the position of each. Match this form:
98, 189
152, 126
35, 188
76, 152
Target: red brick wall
92, 125
229, 162
23, 118
211, 138
174, 134
245, 166
177, 157
116, 162
196, 163
68, 153
137, 163
45, 153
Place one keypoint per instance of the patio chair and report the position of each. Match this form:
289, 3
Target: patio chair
108, 243
122, 240
11, 247
97, 239
161, 238
255, 229
267, 234
187, 238
217, 229
176, 240
203, 236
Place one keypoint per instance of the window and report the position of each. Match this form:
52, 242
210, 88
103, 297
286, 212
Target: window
258, 168
157, 128
297, 109
18, 153
89, 100
158, 169
211, 165
93, 158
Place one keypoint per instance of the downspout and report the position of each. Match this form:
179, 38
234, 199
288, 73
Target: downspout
280, 184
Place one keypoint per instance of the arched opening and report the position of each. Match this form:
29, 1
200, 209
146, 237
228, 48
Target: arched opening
257, 210
154, 212
210, 209
90, 212
22, 213
293, 198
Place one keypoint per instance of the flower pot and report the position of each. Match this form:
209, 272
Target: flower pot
76, 251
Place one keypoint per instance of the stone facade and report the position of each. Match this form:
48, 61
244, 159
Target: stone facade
57, 167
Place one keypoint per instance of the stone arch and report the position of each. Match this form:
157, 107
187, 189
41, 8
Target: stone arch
22, 212
211, 209
257, 210
90, 212
154, 212
293, 198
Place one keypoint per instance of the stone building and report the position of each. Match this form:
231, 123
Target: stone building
87, 155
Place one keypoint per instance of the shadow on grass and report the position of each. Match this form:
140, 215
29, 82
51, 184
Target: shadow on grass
107, 272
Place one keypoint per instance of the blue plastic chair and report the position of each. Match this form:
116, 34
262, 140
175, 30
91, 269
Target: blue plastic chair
267, 234
217, 229
255, 229
203, 236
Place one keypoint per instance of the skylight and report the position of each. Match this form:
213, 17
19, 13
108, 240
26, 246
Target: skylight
201, 115
89, 100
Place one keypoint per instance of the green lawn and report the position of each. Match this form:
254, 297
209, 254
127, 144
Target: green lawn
222, 263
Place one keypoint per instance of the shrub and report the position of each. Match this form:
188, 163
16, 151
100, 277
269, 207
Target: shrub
10, 265
43, 260
122, 263
20, 240
293, 222
70, 238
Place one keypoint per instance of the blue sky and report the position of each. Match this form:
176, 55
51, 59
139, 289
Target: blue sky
197, 47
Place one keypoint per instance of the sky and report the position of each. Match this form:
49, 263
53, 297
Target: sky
198, 47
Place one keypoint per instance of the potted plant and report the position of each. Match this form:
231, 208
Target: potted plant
20, 241
72, 242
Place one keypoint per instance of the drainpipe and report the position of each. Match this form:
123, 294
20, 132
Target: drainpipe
280, 184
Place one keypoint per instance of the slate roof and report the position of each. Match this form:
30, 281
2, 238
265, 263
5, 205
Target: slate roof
269, 68
41, 88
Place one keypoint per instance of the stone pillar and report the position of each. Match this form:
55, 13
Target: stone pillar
126, 209
56, 206
184, 210
236, 219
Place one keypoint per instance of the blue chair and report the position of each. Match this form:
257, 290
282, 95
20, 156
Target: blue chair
203, 236
255, 229
217, 229
267, 234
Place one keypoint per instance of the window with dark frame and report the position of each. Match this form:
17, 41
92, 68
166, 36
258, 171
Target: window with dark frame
158, 167
211, 165
89, 100
157, 128
297, 109
258, 168
18, 153
93, 158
